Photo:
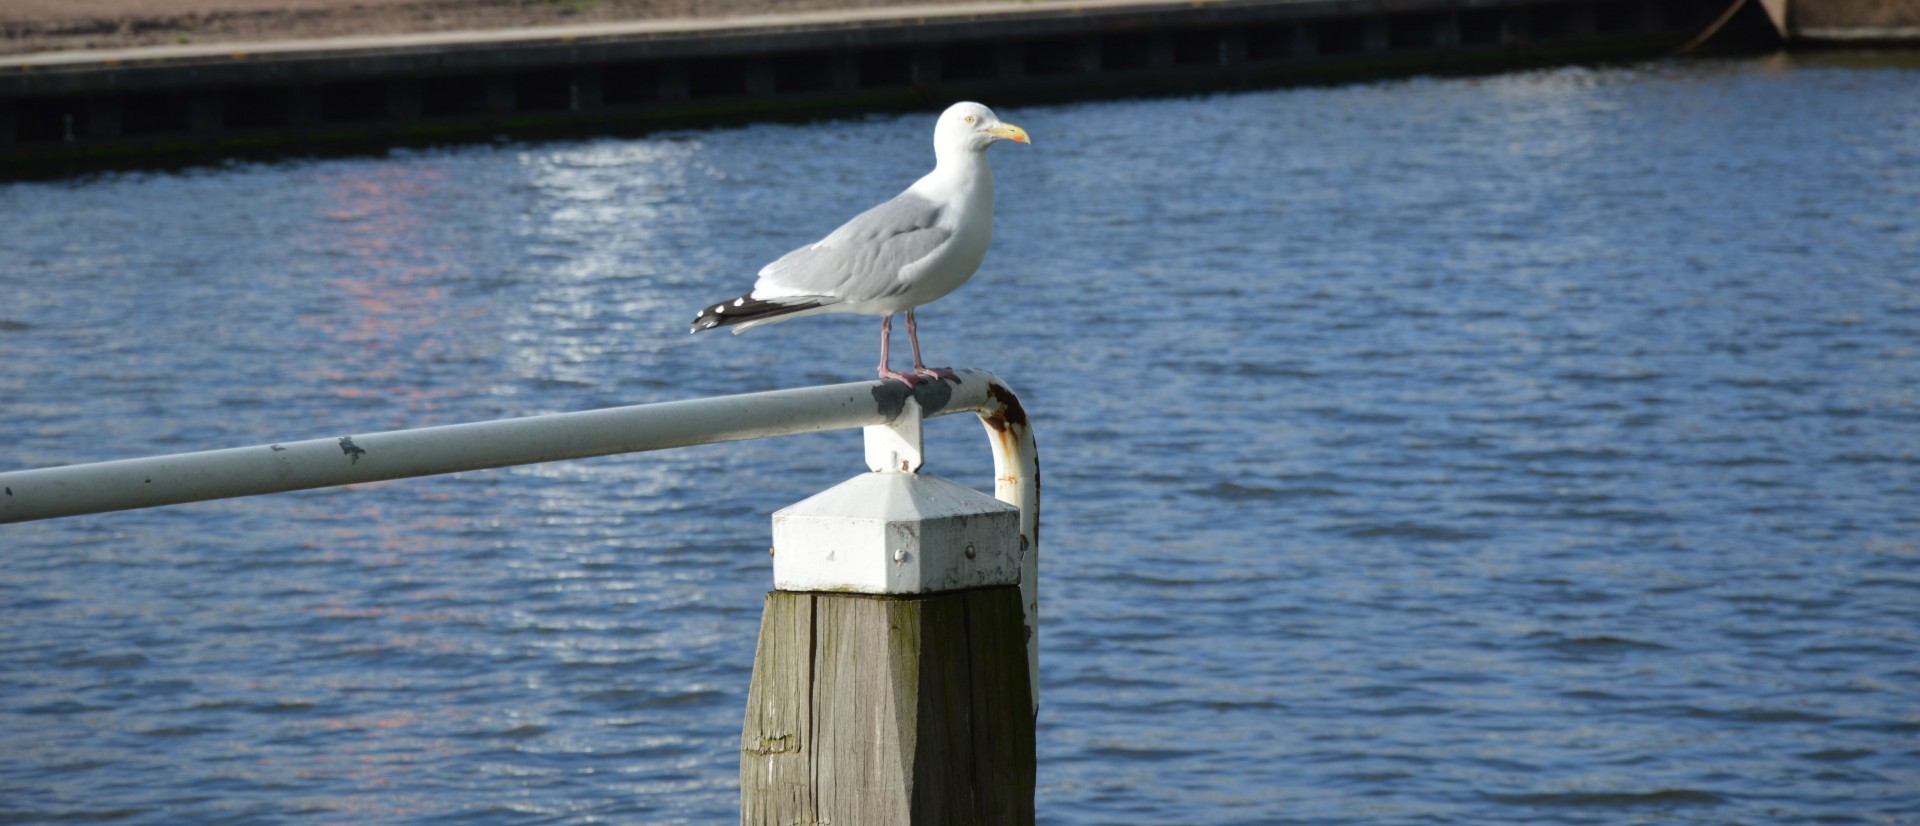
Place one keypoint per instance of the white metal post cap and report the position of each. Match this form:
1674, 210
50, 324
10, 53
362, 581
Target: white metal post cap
896, 533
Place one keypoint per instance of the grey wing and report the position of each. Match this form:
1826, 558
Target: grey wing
861, 260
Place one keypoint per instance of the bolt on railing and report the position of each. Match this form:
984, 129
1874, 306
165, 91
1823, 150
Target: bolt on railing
888, 684
888, 409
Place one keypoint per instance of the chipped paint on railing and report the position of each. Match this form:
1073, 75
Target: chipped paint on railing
127, 484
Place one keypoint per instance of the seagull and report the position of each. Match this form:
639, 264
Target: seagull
919, 246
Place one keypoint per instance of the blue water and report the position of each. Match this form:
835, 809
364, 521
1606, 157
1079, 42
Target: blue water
1534, 448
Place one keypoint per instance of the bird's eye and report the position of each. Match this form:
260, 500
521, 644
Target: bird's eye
969, 118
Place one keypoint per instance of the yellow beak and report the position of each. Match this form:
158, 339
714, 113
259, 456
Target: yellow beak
1008, 131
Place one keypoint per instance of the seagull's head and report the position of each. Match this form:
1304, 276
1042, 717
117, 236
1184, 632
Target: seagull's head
974, 127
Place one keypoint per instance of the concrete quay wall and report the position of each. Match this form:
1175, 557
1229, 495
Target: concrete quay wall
1845, 22
202, 101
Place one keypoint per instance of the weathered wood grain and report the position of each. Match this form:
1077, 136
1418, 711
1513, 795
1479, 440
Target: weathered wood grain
776, 738
918, 711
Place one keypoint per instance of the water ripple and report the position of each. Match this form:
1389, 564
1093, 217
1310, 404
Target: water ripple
1532, 448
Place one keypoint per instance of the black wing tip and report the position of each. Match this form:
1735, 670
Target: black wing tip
705, 320
714, 316
744, 309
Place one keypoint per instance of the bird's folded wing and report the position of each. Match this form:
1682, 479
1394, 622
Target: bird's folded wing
861, 260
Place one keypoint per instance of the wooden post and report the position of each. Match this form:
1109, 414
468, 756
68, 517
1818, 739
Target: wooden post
889, 710
891, 685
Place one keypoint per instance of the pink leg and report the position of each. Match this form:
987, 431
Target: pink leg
913, 337
886, 339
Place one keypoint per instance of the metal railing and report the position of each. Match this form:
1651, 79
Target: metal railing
883, 406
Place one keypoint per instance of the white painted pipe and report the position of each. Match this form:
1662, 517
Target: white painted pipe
127, 484
45, 493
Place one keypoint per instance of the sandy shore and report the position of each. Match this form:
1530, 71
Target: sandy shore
28, 26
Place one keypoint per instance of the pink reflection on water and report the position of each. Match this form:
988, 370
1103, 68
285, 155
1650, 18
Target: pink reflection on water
392, 310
